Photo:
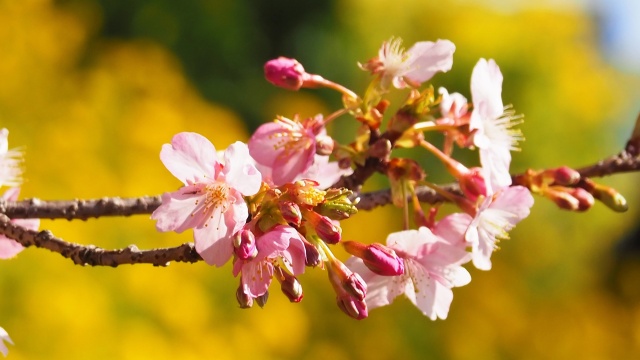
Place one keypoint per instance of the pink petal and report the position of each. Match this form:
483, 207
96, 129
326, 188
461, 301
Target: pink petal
239, 170
214, 243
9, 248
486, 88
190, 157
427, 58
256, 277
175, 213
11, 194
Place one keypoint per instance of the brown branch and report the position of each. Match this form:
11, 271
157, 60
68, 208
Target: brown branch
95, 256
79, 209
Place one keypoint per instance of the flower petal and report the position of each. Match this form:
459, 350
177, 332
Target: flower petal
190, 157
178, 208
426, 58
240, 172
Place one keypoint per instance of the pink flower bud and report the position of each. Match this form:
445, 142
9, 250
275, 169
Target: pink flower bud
244, 243
285, 73
289, 285
290, 213
473, 184
328, 231
562, 198
585, 199
346, 281
563, 175
353, 307
380, 259
312, 255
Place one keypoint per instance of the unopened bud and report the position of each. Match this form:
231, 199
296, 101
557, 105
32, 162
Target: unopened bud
285, 73
344, 280
244, 243
289, 285
324, 145
585, 199
562, 198
324, 227
312, 255
380, 259
262, 299
245, 301
563, 175
290, 213
353, 307
608, 196
380, 149
473, 184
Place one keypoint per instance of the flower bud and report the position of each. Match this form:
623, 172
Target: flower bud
473, 184
312, 255
285, 73
289, 285
607, 195
324, 145
324, 227
245, 301
355, 308
290, 213
244, 243
562, 198
380, 259
585, 199
344, 280
563, 175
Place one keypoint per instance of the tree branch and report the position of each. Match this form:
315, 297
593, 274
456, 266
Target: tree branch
95, 256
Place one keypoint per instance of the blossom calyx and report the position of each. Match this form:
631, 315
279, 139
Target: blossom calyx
380, 259
285, 73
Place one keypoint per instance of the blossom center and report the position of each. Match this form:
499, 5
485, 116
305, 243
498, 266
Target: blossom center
216, 197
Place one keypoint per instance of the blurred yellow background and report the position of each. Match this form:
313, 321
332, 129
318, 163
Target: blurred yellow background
92, 89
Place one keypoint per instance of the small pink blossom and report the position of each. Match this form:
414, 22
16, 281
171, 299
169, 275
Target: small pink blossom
211, 201
9, 247
287, 147
492, 125
496, 216
4, 336
10, 162
453, 107
413, 67
282, 244
432, 266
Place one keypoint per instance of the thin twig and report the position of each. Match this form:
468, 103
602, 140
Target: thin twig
95, 256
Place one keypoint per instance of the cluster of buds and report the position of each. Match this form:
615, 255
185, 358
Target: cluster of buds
569, 190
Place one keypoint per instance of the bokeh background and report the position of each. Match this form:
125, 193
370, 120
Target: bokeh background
92, 89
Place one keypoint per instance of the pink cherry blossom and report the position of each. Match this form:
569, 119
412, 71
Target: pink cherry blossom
4, 336
492, 125
282, 244
9, 247
211, 201
432, 266
287, 147
10, 162
413, 67
496, 216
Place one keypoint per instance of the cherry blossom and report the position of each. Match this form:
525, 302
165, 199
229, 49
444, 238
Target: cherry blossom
492, 125
9, 247
496, 215
282, 244
432, 266
4, 336
412, 67
287, 147
211, 201
10, 162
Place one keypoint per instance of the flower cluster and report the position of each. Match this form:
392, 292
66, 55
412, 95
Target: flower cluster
270, 206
